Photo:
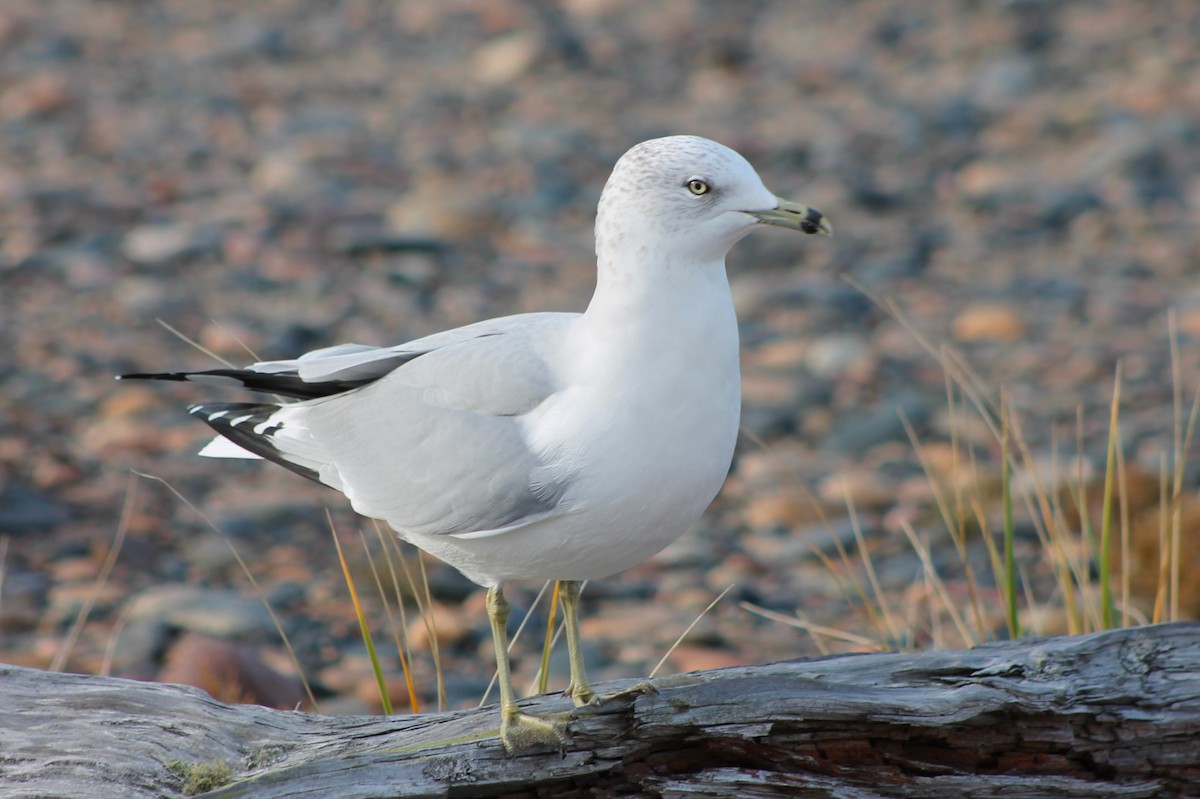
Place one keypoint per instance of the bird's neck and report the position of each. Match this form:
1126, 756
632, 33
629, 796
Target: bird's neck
657, 289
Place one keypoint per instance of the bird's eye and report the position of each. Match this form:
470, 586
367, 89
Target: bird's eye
697, 186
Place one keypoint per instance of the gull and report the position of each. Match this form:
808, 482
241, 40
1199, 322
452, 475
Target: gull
542, 446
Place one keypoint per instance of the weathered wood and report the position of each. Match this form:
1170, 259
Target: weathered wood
1114, 714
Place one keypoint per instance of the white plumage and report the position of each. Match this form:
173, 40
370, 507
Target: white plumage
550, 445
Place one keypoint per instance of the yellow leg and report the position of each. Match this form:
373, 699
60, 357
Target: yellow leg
519, 731
578, 689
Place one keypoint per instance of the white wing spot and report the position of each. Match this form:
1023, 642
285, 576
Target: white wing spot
261, 428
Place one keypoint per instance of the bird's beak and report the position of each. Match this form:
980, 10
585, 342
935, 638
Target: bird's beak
795, 216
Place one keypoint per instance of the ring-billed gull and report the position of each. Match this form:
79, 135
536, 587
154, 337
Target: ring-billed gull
542, 446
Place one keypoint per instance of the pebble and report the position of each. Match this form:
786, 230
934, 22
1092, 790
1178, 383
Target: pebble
396, 688
42, 94
864, 488
447, 623
211, 611
138, 648
856, 433
286, 174
781, 508
72, 570
439, 208
228, 672
506, 58
162, 243
836, 355
989, 322
66, 600
360, 239
650, 622
688, 658
24, 509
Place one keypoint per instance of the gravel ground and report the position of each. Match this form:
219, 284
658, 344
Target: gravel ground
1019, 179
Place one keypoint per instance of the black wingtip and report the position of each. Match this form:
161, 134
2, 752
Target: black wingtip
244, 423
284, 384
177, 376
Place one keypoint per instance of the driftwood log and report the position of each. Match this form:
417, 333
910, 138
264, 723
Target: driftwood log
1113, 714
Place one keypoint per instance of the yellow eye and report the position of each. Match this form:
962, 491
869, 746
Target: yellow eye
697, 186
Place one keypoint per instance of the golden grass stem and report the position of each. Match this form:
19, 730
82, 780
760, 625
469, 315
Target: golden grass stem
1164, 551
397, 635
424, 599
543, 680
384, 699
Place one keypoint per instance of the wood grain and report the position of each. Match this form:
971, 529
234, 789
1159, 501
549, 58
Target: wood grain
1113, 714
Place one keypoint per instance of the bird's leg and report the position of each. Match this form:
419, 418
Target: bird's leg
518, 731
578, 689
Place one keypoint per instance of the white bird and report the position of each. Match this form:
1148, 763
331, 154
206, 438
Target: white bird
542, 446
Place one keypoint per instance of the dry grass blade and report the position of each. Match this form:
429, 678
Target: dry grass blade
662, 661
1164, 537
196, 344
937, 585
540, 683
815, 630
424, 600
953, 526
3, 565
397, 635
110, 560
1182, 442
1044, 509
893, 628
384, 698
1110, 466
846, 577
403, 649
110, 648
543, 676
437, 658
262, 597
1126, 568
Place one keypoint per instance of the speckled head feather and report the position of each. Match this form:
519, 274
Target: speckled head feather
647, 199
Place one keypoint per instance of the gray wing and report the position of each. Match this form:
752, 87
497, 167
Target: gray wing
361, 362
336, 370
435, 446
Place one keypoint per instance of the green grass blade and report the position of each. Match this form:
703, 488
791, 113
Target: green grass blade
1010, 566
1106, 603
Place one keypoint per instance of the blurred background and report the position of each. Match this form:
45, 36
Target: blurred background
1014, 187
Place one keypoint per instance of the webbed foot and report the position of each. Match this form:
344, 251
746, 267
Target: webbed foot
524, 732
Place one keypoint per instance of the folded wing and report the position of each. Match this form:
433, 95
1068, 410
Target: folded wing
428, 436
